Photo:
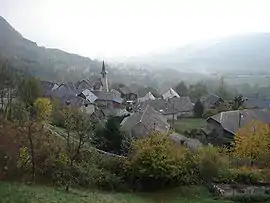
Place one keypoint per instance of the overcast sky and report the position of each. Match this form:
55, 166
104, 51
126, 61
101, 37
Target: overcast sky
116, 28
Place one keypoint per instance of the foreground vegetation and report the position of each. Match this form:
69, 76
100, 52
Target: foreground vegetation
45, 142
19, 193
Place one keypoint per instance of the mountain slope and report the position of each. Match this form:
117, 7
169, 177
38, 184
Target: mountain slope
242, 53
43, 62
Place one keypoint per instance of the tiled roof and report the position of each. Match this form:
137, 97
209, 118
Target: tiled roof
174, 105
148, 119
127, 90
232, 120
109, 96
210, 100
192, 144
93, 83
74, 101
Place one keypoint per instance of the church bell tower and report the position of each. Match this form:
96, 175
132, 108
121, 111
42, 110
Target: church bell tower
104, 78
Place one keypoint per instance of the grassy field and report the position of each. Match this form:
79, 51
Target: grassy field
181, 125
19, 193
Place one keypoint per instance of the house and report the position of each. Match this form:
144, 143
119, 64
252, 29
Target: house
141, 123
88, 95
129, 94
171, 93
47, 87
148, 96
95, 83
222, 127
255, 103
172, 108
107, 100
64, 89
79, 103
211, 101
190, 143
115, 93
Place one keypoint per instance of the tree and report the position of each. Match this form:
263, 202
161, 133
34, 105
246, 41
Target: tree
197, 91
8, 83
29, 90
182, 89
78, 128
110, 138
198, 109
252, 141
238, 102
43, 108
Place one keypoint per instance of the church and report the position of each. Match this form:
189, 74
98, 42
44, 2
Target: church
95, 83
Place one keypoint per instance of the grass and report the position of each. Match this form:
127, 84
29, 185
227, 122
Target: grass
186, 124
20, 193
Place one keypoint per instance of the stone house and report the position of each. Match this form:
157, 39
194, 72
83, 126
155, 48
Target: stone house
170, 108
128, 94
171, 93
222, 127
141, 123
211, 101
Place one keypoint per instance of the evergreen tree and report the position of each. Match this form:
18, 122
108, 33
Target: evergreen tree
110, 138
181, 89
198, 109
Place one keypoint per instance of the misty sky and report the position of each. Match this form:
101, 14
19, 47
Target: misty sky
114, 28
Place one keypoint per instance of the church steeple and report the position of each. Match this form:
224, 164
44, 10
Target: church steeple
104, 77
103, 70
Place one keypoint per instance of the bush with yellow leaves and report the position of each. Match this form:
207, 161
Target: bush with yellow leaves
252, 142
155, 162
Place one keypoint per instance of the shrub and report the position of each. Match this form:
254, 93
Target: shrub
11, 140
242, 175
156, 162
226, 176
210, 161
251, 198
248, 175
57, 117
92, 175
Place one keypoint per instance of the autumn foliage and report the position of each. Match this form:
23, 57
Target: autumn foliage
156, 161
252, 142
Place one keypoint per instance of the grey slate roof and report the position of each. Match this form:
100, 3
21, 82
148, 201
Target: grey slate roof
74, 101
47, 87
210, 100
141, 123
192, 144
93, 83
64, 89
109, 96
174, 105
230, 120
127, 90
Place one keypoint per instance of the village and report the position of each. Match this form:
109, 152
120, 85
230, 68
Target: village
115, 102
148, 113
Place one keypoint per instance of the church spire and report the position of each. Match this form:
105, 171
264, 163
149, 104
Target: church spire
103, 70
104, 77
